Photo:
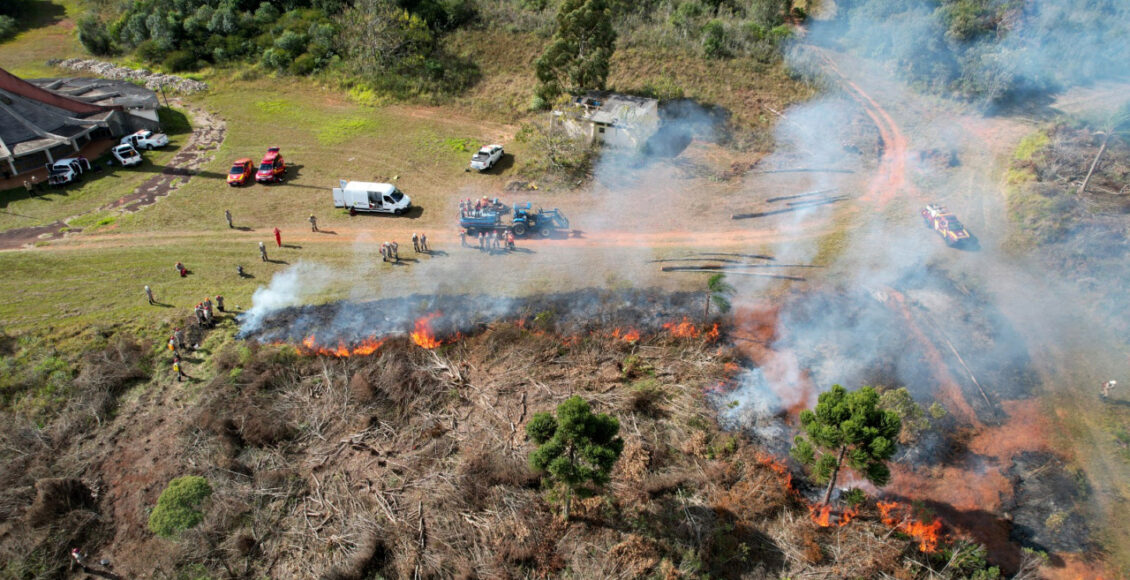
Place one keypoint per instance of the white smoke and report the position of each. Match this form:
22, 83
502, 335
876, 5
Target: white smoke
291, 287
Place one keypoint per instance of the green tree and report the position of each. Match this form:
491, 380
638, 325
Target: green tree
718, 291
847, 426
913, 417
578, 57
176, 508
576, 448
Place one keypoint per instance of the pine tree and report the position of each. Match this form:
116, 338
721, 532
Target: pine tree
847, 426
578, 57
576, 448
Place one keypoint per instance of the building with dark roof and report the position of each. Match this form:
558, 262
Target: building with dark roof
47, 119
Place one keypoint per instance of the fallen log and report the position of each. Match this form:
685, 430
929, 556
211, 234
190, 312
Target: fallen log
805, 194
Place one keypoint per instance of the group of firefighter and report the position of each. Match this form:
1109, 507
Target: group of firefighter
492, 241
477, 208
390, 251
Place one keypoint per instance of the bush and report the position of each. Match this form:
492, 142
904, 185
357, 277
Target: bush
292, 42
275, 58
179, 60
714, 39
148, 51
176, 508
8, 27
303, 65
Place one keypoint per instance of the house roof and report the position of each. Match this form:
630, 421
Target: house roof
33, 118
104, 92
613, 108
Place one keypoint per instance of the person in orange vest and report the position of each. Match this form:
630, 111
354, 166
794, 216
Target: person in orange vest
178, 370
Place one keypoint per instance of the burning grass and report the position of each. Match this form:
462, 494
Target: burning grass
385, 457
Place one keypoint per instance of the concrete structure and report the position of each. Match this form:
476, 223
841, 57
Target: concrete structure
48, 119
618, 120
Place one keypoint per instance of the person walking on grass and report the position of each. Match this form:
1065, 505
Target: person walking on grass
313, 223
1108, 388
179, 371
463, 238
278, 238
262, 252
219, 303
149, 295
424, 243
227, 216
415, 243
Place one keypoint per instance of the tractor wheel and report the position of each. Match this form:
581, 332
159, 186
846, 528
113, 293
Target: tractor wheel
519, 229
545, 232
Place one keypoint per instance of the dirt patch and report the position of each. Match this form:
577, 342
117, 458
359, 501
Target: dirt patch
21, 237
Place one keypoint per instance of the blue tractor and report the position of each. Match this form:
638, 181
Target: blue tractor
542, 222
526, 221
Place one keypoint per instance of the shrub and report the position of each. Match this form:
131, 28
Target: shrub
179, 60
176, 508
276, 58
303, 65
148, 51
292, 42
714, 39
8, 27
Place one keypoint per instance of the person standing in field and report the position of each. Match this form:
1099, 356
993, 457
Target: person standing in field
149, 295
278, 238
262, 252
227, 216
313, 223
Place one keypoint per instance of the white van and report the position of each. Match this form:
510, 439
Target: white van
363, 196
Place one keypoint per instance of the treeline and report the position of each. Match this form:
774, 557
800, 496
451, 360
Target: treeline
991, 51
293, 36
398, 44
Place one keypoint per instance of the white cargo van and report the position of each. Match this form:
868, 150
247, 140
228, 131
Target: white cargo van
363, 196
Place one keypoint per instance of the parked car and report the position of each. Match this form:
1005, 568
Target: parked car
146, 139
241, 172
486, 157
272, 167
68, 170
126, 155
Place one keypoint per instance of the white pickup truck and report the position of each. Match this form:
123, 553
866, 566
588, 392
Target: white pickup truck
363, 196
145, 139
68, 170
126, 155
486, 157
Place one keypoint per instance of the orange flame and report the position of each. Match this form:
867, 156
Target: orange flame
713, 333
684, 329
825, 517
821, 514
776, 467
926, 534
630, 335
423, 334
310, 347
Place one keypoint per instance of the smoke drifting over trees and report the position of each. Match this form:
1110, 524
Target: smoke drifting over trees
987, 50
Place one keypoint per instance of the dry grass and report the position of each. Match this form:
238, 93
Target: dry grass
412, 463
